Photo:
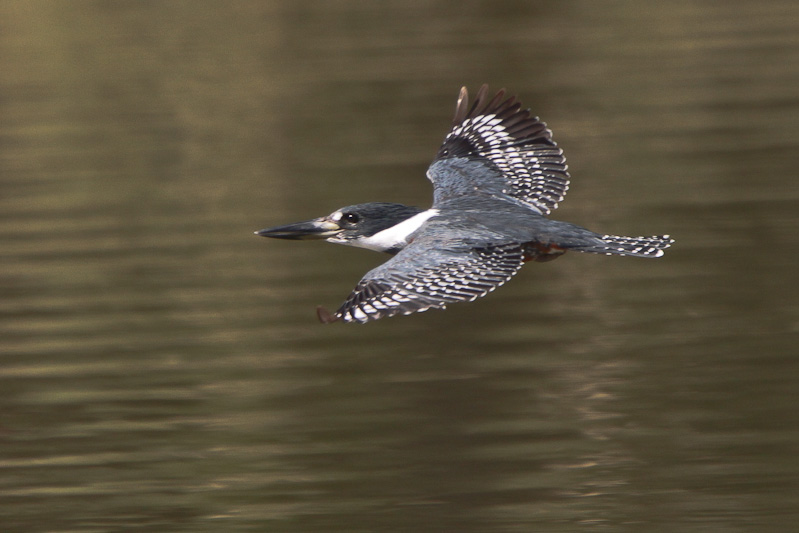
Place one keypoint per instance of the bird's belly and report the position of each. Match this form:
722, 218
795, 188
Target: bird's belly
541, 251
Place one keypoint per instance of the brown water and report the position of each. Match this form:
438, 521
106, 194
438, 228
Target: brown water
161, 368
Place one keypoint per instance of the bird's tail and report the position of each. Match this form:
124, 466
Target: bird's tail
636, 246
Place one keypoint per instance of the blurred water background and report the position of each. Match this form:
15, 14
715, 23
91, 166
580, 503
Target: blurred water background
161, 368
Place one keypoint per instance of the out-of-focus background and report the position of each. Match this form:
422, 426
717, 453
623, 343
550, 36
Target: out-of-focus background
161, 368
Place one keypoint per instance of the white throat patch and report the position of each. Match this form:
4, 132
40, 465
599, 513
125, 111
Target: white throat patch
396, 236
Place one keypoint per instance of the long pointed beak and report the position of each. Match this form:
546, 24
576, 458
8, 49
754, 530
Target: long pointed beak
318, 228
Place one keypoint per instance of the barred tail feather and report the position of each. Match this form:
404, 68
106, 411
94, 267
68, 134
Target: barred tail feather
635, 246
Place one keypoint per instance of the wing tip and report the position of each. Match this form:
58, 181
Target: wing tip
461, 107
325, 316
517, 121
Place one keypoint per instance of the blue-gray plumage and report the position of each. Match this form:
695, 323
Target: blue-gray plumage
495, 178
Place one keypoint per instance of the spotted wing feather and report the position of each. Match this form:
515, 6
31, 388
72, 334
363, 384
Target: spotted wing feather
417, 280
517, 146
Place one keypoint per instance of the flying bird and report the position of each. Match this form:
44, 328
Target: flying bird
495, 179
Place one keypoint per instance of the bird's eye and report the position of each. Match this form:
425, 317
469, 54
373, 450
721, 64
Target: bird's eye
352, 218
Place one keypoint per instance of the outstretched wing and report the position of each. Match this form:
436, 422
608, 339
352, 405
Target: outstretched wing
523, 161
421, 278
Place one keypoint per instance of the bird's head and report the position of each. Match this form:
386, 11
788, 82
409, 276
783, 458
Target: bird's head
362, 225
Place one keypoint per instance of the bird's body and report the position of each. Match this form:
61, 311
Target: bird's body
496, 177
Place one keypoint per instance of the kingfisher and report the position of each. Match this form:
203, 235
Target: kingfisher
496, 178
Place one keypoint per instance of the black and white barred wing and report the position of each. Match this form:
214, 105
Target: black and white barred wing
526, 163
419, 278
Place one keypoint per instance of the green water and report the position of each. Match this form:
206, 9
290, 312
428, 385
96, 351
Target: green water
162, 369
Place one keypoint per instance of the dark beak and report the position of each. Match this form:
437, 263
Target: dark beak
318, 228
